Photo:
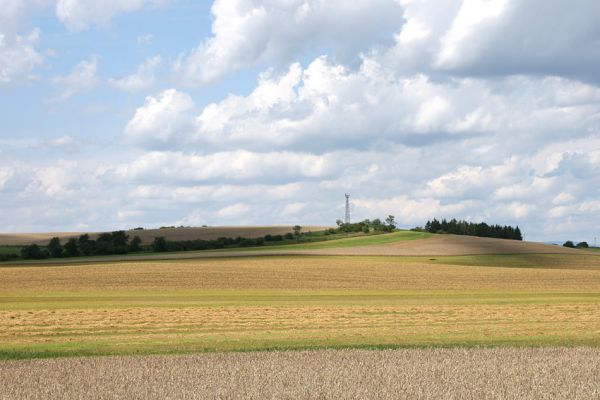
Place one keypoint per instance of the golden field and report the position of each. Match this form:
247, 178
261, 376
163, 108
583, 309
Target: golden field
295, 302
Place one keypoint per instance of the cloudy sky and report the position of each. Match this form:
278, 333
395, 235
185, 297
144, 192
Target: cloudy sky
124, 113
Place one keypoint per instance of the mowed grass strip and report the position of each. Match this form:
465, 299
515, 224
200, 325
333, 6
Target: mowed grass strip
294, 303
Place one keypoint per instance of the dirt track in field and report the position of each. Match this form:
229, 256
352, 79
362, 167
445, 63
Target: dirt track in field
503, 373
148, 235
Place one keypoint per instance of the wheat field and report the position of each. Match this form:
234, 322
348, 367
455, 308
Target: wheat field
500, 373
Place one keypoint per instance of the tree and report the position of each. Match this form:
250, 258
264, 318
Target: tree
391, 221
160, 245
569, 243
297, 230
583, 245
104, 244
135, 244
120, 242
33, 252
55, 248
71, 249
518, 235
86, 246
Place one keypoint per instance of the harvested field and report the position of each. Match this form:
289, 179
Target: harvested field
501, 373
148, 235
509, 272
299, 302
452, 245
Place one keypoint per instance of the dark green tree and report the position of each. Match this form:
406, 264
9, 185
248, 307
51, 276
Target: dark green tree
86, 246
583, 245
160, 245
33, 252
569, 243
55, 248
135, 245
71, 248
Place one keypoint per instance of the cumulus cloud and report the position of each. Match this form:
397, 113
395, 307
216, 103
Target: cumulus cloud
328, 106
82, 78
19, 55
240, 166
143, 79
249, 32
498, 38
78, 15
163, 120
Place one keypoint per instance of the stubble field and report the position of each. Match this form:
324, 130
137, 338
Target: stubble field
299, 302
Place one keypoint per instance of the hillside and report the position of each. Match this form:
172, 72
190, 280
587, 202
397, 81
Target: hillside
148, 235
449, 245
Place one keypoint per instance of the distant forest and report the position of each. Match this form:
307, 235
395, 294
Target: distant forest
472, 229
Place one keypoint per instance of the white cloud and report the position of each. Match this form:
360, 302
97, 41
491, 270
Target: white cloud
143, 79
19, 57
144, 40
78, 15
162, 120
234, 211
239, 166
83, 77
247, 32
502, 37
328, 106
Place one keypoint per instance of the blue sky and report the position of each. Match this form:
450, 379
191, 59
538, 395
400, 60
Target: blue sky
119, 114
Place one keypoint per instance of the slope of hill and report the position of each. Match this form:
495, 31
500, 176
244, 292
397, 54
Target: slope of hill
450, 245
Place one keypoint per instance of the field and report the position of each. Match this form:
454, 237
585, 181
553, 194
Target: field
298, 302
348, 374
534, 308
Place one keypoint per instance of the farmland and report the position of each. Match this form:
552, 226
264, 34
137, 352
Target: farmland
305, 301
499, 373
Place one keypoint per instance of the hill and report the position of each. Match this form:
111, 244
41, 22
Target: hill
148, 235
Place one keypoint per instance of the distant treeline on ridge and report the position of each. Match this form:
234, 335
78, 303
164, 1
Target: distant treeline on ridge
473, 229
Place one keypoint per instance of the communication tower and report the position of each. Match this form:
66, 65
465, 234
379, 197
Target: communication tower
347, 218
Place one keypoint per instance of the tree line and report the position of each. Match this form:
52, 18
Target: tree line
118, 242
366, 226
106, 244
160, 244
481, 229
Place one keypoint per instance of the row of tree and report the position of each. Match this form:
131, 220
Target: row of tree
160, 244
481, 229
118, 243
580, 245
366, 226
107, 243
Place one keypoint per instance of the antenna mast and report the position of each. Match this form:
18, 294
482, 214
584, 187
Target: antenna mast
347, 219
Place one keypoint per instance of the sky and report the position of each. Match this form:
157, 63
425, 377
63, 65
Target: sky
116, 114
